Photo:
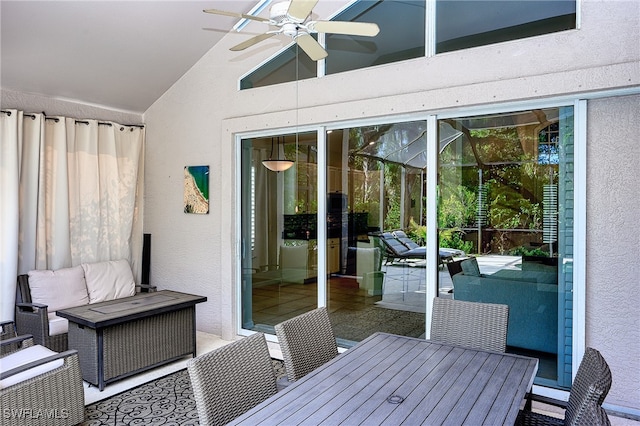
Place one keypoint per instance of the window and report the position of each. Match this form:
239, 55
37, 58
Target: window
401, 37
460, 24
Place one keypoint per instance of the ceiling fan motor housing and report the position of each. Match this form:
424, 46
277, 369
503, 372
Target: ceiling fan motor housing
278, 13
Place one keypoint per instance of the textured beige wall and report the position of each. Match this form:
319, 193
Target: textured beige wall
613, 241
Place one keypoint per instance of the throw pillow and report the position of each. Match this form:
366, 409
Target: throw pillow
61, 289
109, 280
470, 267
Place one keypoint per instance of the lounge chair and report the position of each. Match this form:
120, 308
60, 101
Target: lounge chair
399, 246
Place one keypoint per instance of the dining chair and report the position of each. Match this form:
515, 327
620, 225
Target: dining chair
471, 324
589, 389
232, 379
307, 342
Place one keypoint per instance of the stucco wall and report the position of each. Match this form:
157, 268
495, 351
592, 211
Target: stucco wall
613, 240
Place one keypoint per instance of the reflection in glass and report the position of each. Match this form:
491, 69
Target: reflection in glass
461, 24
505, 195
279, 239
372, 192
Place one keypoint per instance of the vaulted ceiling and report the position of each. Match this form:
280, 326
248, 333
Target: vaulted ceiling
116, 54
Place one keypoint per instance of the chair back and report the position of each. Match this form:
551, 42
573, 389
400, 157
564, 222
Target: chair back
307, 342
405, 240
454, 267
589, 389
23, 292
231, 380
393, 245
471, 324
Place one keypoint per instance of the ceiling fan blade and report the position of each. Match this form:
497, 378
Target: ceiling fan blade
250, 42
342, 27
300, 9
236, 15
311, 47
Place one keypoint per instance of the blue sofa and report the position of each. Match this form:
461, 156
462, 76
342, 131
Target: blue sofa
532, 296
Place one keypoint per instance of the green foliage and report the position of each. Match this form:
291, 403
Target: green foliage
457, 208
454, 238
417, 233
392, 218
523, 251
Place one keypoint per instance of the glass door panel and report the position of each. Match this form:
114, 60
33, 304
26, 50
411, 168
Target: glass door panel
375, 184
279, 230
505, 191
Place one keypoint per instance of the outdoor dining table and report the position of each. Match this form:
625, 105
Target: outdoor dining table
397, 380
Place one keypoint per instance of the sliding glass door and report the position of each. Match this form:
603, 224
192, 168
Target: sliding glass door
503, 200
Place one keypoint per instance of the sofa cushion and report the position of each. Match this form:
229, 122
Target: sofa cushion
60, 289
25, 356
57, 325
470, 267
109, 280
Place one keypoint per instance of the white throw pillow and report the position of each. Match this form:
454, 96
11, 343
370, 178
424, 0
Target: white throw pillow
57, 325
61, 289
109, 280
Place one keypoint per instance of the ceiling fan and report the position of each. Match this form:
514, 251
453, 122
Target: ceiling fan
290, 18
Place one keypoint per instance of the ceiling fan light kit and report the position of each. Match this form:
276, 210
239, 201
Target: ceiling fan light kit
290, 19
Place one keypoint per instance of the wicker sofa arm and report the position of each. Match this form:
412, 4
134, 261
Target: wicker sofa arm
32, 318
7, 329
14, 344
25, 339
31, 307
41, 361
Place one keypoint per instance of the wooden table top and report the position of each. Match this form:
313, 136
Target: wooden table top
125, 309
395, 380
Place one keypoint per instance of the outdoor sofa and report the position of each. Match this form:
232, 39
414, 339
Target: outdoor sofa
40, 293
532, 297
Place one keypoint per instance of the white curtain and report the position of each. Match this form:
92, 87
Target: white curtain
72, 192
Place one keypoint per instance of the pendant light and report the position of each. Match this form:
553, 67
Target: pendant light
277, 164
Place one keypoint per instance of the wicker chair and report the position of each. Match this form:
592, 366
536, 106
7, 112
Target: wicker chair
590, 387
471, 324
307, 342
231, 380
7, 331
54, 397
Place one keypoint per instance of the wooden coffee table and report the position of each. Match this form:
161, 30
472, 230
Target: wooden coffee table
122, 337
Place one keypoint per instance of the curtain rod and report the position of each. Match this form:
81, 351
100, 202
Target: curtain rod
56, 119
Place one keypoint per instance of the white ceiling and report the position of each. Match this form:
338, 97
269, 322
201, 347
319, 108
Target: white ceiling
116, 54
